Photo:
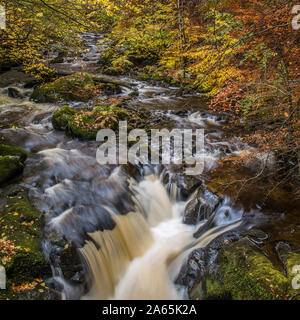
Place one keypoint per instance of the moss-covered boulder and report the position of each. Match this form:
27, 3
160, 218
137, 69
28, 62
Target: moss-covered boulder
75, 87
11, 162
246, 273
86, 124
62, 117
20, 249
6, 150
10, 167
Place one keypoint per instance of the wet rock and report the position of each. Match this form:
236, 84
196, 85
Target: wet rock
191, 183
194, 269
14, 93
282, 249
66, 289
14, 76
203, 263
41, 292
201, 206
131, 170
255, 235
62, 117
70, 262
6, 150
150, 94
11, 162
75, 87
86, 124
10, 167
246, 273
191, 212
24, 222
32, 83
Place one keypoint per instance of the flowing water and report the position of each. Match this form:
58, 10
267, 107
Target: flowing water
126, 222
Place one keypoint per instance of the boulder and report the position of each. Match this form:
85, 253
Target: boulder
62, 117
11, 162
21, 252
86, 124
200, 206
244, 272
6, 150
75, 87
10, 167
14, 93
14, 76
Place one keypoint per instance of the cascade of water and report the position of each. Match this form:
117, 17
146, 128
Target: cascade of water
141, 257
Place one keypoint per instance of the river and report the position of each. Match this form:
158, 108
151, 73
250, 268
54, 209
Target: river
127, 222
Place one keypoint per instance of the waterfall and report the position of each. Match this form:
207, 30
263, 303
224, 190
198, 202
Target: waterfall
141, 256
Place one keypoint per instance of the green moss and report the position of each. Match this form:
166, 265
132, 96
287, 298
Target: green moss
6, 150
114, 71
83, 129
214, 290
86, 124
143, 76
10, 167
123, 63
250, 275
76, 87
20, 227
292, 260
62, 117
245, 273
